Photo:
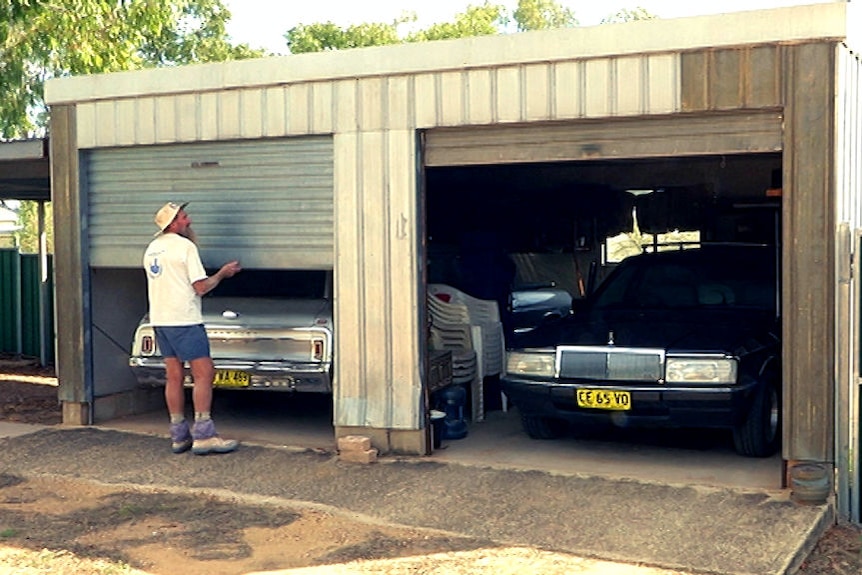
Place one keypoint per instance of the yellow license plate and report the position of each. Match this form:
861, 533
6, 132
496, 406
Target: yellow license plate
604, 399
231, 378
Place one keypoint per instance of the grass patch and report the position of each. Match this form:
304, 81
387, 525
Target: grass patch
130, 510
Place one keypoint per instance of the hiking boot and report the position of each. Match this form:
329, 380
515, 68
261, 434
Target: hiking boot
181, 437
206, 440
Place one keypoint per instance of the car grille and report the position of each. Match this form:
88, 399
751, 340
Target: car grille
610, 363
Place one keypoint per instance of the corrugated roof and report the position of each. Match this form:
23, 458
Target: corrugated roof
25, 172
829, 21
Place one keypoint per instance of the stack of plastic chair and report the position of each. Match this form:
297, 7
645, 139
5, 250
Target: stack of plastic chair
460, 321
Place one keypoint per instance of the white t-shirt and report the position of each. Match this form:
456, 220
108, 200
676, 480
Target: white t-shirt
173, 264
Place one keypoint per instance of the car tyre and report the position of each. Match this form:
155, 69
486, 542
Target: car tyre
759, 434
539, 427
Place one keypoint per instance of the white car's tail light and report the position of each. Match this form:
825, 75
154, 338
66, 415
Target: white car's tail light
148, 345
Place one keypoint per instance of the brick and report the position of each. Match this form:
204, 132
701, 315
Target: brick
367, 456
354, 443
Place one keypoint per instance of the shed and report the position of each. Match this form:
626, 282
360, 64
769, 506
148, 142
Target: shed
335, 161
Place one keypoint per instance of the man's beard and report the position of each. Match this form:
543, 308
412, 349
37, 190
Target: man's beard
190, 235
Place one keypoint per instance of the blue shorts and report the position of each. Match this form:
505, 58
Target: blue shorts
185, 342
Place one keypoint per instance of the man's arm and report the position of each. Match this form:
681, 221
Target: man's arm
207, 284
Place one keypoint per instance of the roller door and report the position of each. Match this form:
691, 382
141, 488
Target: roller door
653, 137
268, 203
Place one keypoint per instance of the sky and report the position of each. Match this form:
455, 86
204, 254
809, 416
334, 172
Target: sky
262, 23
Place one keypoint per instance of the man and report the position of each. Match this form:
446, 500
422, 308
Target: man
176, 280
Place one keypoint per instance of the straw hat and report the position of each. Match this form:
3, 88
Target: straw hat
166, 215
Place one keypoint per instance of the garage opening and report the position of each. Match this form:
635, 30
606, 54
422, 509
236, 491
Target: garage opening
538, 238
267, 203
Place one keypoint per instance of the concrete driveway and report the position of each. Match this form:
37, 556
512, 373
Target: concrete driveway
669, 457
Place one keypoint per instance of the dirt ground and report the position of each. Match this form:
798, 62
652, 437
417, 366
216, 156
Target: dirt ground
64, 526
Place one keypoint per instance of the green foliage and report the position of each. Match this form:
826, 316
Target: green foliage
28, 236
328, 36
628, 15
40, 39
543, 15
130, 511
200, 35
475, 21
15, 9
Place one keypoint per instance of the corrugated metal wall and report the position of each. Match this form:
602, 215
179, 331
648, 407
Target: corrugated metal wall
378, 313
564, 90
848, 151
808, 262
38, 333
655, 137
10, 301
24, 327
265, 202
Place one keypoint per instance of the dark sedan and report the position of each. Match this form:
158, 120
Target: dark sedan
684, 338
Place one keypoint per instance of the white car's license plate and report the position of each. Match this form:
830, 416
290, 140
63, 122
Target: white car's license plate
231, 378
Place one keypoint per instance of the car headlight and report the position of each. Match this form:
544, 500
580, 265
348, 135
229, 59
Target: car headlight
533, 363
716, 370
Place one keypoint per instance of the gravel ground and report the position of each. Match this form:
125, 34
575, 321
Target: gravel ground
28, 395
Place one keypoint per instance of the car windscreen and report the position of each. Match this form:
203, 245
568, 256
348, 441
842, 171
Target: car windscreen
696, 279
261, 283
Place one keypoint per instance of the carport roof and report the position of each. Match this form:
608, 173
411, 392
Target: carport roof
832, 21
25, 172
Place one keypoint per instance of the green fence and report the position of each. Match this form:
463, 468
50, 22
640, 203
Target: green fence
26, 306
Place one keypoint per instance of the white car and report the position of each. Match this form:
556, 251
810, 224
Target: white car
267, 330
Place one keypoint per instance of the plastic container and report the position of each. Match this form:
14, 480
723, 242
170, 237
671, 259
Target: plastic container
454, 399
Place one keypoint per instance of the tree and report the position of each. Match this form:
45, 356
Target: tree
28, 236
478, 20
49, 38
543, 15
628, 15
200, 35
328, 36
475, 21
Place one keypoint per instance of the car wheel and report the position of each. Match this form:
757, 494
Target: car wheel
759, 434
539, 427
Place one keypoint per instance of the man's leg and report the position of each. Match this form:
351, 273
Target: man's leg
203, 372
175, 398
206, 440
